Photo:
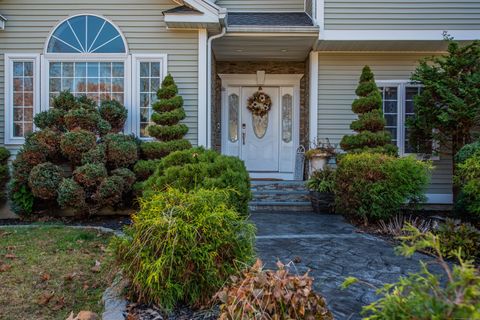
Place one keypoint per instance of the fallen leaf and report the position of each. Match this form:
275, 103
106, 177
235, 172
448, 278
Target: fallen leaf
70, 276
71, 316
59, 304
10, 248
10, 256
87, 315
97, 267
45, 277
85, 286
5, 267
45, 298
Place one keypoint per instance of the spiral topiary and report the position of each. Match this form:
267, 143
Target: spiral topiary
370, 126
166, 127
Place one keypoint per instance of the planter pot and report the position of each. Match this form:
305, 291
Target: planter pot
318, 161
322, 202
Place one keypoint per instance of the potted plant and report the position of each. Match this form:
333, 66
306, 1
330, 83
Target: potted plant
321, 185
319, 155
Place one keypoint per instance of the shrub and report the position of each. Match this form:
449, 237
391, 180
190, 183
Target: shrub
266, 294
90, 175
115, 113
47, 140
145, 168
468, 151
74, 143
44, 180
128, 178
467, 177
81, 118
64, 101
462, 236
4, 170
95, 155
71, 195
32, 154
374, 186
21, 197
121, 150
156, 149
370, 124
182, 247
322, 180
52, 119
167, 133
109, 192
200, 168
425, 295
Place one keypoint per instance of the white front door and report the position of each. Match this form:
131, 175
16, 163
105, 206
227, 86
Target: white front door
266, 144
260, 135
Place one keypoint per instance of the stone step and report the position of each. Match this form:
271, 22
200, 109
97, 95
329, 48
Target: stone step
280, 206
283, 196
287, 186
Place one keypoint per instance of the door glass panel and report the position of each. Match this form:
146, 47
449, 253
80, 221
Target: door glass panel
287, 118
233, 105
260, 125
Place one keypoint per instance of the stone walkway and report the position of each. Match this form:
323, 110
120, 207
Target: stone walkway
332, 249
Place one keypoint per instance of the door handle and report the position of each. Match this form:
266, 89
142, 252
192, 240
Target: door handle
244, 131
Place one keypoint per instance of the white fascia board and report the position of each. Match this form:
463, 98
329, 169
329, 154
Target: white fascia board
203, 6
399, 35
191, 18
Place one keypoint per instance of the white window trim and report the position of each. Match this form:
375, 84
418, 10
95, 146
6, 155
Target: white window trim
9, 59
74, 57
135, 85
401, 86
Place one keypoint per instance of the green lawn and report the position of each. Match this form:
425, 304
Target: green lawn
49, 271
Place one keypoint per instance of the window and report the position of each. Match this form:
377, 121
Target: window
98, 80
233, 115
86, 34
149, 71
398, 106
22, 95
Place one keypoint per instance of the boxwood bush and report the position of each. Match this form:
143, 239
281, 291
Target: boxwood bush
182, 247
200, 168
372, 186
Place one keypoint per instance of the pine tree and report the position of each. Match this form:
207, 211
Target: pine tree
166, 128
370, 126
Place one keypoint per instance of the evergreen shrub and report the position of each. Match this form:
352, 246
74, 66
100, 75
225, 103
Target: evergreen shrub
200, 168
44, 180
182, 247
374, 186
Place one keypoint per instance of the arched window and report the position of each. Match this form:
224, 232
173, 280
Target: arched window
86, 34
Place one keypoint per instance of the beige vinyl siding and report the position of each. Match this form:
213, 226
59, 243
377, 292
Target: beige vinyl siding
337, 79
31, 21
259, 5
402, 15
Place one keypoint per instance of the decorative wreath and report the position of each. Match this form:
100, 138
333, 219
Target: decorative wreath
260, 103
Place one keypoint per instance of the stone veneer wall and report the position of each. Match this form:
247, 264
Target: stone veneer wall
251, 67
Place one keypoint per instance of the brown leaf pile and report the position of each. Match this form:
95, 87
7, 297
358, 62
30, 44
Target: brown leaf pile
271, 295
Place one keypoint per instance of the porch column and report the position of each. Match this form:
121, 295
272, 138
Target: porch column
313, 94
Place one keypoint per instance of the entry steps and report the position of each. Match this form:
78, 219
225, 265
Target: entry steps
279, 195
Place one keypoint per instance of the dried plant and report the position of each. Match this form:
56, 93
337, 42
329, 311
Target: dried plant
271, 295
396, 225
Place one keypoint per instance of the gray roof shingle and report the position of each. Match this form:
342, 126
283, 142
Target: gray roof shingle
284, 19
182, 9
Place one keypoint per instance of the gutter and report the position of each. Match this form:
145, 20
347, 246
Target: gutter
209, 82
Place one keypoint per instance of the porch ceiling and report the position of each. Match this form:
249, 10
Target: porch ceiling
263, 48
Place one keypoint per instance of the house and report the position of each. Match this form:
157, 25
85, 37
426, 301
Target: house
306, 56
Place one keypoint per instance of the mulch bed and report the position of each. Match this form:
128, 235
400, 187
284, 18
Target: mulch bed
150, 312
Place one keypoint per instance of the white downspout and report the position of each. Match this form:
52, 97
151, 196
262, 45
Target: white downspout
209, 85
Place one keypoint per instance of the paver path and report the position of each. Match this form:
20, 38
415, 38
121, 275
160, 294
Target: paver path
332, 249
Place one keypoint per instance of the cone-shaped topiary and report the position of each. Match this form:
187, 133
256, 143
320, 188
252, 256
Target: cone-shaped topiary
166, 127
370, 125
